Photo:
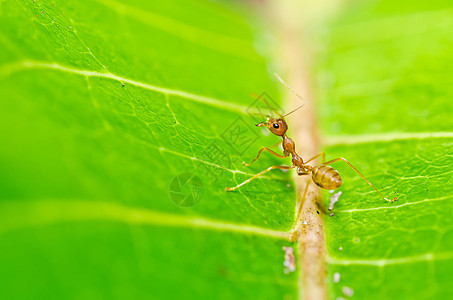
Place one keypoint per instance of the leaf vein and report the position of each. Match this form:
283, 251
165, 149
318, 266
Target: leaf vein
385, 137
19, 66
391, 261
54, 211
394, 206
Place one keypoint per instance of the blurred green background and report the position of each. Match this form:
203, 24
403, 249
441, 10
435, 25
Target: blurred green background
104, 103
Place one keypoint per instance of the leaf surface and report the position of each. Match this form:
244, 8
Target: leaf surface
385, 86
104, 105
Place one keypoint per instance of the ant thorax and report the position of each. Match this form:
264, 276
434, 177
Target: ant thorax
288, 144
289, 147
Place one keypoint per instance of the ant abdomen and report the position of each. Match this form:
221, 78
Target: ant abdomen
326, 177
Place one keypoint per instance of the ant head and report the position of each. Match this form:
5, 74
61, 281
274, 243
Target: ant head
276, 126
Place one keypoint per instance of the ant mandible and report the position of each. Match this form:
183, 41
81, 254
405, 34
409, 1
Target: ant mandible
322, 175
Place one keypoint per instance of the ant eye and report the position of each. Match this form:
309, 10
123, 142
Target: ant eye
276, 126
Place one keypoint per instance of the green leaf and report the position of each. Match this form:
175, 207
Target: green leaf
104, 105
385, 85
109, 110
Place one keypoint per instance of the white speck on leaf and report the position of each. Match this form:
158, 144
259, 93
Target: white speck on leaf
290, 260
340, 248
333, 199
347, 291
336, 277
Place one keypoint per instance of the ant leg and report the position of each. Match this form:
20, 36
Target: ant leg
301, 201
228, 189
259, 153
296, 229
316, 156
363, 177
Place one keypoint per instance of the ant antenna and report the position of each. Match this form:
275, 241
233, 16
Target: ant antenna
294, 92
267, 103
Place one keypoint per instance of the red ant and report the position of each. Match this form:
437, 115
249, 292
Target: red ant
322, 175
